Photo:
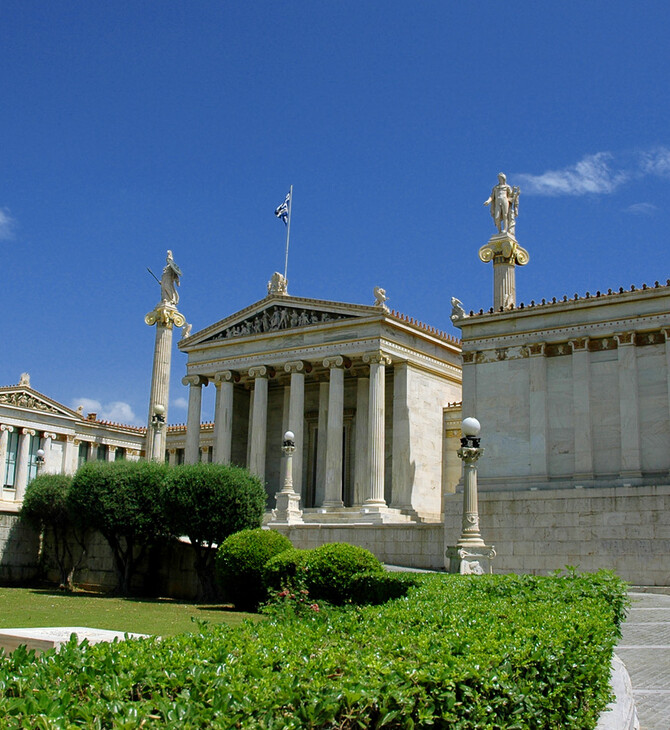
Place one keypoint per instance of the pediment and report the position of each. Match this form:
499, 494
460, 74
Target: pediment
278, 313
31, 400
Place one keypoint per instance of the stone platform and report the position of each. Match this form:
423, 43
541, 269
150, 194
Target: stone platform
42, 639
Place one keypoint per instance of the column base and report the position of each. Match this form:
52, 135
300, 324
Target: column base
287, 511
470, 559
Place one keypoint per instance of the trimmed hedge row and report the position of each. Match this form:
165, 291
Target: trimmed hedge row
457, 652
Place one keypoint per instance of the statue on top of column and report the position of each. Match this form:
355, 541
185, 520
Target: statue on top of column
170, 281
504, 202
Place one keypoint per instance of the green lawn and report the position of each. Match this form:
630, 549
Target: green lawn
32, 607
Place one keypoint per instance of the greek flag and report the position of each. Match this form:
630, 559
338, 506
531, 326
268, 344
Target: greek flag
282, 210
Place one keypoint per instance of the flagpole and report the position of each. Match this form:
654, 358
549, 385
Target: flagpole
288, 229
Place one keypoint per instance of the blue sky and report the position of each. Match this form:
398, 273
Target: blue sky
132, 127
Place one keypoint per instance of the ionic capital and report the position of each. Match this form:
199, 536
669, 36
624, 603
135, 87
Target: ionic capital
194, 380
537, 349
298, 366
172, 452
165, 316
625, 338
112, 448
28, 431
580, 344
5, 427
50, 435
226, 376
336, 361
377, 358
261, 371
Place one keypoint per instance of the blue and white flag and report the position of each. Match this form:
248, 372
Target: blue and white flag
282, 210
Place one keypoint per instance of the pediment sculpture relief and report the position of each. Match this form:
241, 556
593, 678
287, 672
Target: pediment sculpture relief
24, 400
276, 318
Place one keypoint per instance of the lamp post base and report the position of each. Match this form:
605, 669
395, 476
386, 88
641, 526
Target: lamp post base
470, 559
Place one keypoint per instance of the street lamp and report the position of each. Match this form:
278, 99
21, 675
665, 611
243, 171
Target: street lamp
39, 460
158, 423
470, 554
287, 511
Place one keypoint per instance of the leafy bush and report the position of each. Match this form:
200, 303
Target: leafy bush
379, 587
239, 564
45, 508
209, 502
122, 501
451, 654
285, 570
330, 568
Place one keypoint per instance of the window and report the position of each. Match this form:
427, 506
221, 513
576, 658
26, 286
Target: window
82, 456
102, 452
32, 457
120, 454
10, 460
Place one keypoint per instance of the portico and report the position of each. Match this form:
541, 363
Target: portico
339, 377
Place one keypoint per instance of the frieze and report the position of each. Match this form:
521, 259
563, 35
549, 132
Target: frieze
24, 400
277, 318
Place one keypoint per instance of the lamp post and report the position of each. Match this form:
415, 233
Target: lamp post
158, 424
40, 460
287, 511
470, 555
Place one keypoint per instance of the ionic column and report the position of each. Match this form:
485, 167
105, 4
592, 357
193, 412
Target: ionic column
322, 426
538, 410
376, 436
223, 417
111, 453
93, 451
259, 427
70, 454
629, 417
48, 437
401, 466
296, 417
581, 408
333, 484
195, 383
204, 455
4, 439
21, 481
361, 465
172, 457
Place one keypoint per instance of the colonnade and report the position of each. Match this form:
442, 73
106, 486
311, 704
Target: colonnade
370, 424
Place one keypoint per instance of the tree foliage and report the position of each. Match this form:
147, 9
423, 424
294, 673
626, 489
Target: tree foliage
207, 503
122, 500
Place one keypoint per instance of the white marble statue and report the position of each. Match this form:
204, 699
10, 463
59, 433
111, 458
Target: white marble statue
457, 310
504, 202
278, 285
380, 297
170, 281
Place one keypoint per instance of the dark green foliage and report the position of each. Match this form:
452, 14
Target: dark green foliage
239, 565
378, 588
285, 570
122, 500
209, 502
457, 652
45, 508
330, 568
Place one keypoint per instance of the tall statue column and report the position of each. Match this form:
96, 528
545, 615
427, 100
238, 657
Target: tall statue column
503, 248
164, 316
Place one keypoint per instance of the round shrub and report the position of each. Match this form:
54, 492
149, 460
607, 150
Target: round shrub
239, 564
285, 570
330, 568
378, 588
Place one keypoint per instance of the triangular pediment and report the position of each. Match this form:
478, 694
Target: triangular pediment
31, 400
276, 314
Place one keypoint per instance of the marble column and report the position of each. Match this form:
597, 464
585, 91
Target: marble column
581, 408
296, 417
70, 455
195, 383
5, 430
21, 481
93, 451
628, 405
111, 453
250, 426
259, 428
172, 457
333, 484
321, 445
48, 437
204, 454
402, 458
223, 418
376, 429
362, 463
538, 411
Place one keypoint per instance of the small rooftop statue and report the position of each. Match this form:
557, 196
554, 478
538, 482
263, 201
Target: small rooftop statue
25, 380
504, 202
380, 298
278, 285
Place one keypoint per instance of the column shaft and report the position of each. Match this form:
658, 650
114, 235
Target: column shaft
376, 428
223, 420
4, 441
296, 420
160, 388
192, 451
402, 456
362, 463
321, 446
333, 486
23, 455
260, 422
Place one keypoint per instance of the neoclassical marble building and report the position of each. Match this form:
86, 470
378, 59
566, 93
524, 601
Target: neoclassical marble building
363, 390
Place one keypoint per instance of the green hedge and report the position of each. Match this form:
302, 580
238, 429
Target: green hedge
457, 652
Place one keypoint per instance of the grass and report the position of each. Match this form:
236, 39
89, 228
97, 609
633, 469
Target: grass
34, 607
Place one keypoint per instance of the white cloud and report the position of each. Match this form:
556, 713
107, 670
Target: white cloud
641, 209
656, 161
117, 411
180, 403
591, 175
7, 224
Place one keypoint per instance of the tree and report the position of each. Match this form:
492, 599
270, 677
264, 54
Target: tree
122, 501
207, 503
45, 508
